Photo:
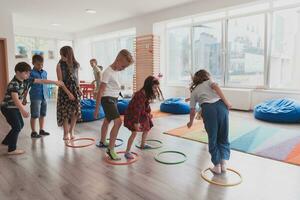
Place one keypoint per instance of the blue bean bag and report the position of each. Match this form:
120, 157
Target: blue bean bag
87, 110
175, 106
123, 105
278, 110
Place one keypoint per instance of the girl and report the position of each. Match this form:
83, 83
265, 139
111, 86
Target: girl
108, 96
68, 99
215, 117
138, 116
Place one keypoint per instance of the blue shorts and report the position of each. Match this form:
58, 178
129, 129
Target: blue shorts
38, 108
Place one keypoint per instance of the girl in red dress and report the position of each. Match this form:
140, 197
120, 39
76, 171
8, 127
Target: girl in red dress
138, 116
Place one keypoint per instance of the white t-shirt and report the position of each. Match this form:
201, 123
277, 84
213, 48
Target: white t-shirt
111, 78
203, 93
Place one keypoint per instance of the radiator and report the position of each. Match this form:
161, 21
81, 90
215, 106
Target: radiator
240, 99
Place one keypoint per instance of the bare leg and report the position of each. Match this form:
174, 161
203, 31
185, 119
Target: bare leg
104, 129
114, 132
144, 137
130, 141
66, 129
32, 124
72, 125
42, 122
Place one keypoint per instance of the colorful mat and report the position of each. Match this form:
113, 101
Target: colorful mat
269, 142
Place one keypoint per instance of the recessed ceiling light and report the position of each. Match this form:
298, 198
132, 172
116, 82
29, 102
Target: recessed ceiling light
55, 24
90, 11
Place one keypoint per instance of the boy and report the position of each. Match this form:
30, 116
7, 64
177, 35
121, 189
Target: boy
108, 95
97, 75
12, 107
38, 94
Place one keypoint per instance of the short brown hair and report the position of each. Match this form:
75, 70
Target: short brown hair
37, 58
22, 67
93, 60
127, 55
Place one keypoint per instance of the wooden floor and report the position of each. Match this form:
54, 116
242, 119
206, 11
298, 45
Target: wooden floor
49, 170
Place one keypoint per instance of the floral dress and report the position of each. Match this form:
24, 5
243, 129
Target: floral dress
65, 106
138, 111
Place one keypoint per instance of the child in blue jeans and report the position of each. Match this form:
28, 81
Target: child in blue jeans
215, 108
12, 107
38, 94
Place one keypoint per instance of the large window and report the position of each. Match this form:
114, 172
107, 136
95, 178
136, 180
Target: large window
246, 51
106, 50
207, 49
285, 53
254, 46
179, 54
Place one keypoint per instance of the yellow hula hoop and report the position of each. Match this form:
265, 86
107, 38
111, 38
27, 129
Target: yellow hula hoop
68, 142
223, 184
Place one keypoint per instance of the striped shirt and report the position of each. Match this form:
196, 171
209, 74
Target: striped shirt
17, 86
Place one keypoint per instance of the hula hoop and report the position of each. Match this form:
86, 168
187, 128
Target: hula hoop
113, 162
68, 142
170, 163
223, 184
155, 147
118, 139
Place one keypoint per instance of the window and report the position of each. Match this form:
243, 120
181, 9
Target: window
246, 51
106, 50
207, 47
285, 60
179, 54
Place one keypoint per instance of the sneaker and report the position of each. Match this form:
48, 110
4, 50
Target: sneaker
42, 132
16, 152
102, 145
129, 156
35, 135
112, 154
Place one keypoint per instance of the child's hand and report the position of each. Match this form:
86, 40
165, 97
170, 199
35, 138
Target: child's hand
229, 106
137, 127
24, 113
71, 97
59, 83
24, 102
190, 124
96, 112
151, 116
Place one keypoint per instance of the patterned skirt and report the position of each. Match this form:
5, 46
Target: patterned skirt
66, 107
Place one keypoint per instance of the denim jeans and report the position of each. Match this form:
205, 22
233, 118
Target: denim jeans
216, 122
15, 120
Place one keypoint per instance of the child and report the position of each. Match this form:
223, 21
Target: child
215, 117
138, 114
68, 98
108, 95
97, 70
12, 108
38, 94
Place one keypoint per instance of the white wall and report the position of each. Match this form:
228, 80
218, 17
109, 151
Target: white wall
7, 31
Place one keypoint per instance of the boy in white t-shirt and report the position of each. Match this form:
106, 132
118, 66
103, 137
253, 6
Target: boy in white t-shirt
108, 95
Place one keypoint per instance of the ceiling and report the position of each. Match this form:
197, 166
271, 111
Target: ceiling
71, 15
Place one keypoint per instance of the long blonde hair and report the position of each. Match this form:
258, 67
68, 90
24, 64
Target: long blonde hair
198, 78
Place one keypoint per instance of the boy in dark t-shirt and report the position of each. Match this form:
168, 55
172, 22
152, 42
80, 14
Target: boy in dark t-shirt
12, 108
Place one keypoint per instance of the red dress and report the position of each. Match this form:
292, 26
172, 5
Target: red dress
138, 111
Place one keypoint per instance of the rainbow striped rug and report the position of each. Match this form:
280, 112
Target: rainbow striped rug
269, 142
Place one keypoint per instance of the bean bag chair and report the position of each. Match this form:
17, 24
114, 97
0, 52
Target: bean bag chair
278, 110
87, 110
122, 105
175, 106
